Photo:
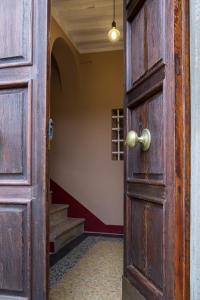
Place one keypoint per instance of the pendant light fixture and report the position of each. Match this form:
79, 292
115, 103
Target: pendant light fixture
114, 33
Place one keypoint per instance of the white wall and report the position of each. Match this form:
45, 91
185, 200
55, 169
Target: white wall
195, 148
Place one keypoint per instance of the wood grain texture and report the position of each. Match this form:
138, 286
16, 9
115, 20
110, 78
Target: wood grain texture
23, 118
138, 47
14, 237
11, 116
15, 36
15, 133
157, 193
183, 181
11, 239
154, 32
148, 166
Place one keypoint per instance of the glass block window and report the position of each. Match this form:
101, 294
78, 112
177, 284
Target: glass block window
117, 134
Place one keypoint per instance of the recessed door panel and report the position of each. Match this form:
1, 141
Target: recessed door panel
15, 36
147, 166
15, 258
155, 31
15, 126
138, 47
146, 37
138, 236
146, 256
155, 120
155, 237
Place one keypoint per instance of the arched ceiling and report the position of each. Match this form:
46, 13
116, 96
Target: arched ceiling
87, 22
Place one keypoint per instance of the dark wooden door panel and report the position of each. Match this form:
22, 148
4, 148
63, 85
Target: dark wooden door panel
147, 236
154, 19
23, 114
15, 134
147, 166
16, 35
146, 252
154, 224
14, 240
149, 260
138, 47
137, 236
154, 245
146, 37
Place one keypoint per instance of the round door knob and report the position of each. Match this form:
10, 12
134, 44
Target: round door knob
133, 139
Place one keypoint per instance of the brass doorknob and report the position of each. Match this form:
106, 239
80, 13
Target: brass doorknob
133, 139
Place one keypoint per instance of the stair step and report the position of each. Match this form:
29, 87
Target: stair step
58, 214
58, 207
63, 233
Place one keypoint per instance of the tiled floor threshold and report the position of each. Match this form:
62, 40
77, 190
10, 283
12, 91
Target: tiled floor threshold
88, 269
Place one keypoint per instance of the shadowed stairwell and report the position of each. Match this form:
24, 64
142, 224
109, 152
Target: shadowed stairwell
62, 228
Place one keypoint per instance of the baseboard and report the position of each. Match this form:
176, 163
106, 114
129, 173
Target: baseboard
115, 235
55, 257
77, 210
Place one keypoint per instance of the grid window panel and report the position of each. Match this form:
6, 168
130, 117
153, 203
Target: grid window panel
117, 134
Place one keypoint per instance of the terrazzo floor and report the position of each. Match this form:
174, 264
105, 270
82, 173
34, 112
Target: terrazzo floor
91, 271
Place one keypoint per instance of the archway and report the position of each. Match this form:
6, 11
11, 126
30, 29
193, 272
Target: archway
65, 83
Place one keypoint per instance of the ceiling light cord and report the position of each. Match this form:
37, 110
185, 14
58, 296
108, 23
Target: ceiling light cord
114, 14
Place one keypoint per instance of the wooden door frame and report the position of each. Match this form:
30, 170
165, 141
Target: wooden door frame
182, 146
182, 109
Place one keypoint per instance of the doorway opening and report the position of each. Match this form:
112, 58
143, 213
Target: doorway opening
86, 169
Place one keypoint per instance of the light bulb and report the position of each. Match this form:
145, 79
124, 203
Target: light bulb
114, 33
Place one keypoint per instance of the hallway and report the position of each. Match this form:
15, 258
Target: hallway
100, 142
90, 271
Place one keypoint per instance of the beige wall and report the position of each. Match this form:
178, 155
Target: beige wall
80, 159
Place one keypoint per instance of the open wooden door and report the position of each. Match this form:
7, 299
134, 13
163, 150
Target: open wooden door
23, 97
157, 180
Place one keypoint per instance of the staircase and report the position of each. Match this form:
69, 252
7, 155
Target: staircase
62, 228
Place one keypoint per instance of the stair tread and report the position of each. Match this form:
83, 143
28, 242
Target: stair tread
65, 226
57, 207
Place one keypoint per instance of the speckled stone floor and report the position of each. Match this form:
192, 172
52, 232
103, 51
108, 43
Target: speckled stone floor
91, 271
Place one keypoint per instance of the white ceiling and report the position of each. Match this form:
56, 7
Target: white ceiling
87, 23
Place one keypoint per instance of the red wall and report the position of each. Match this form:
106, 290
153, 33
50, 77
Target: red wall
77, 210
